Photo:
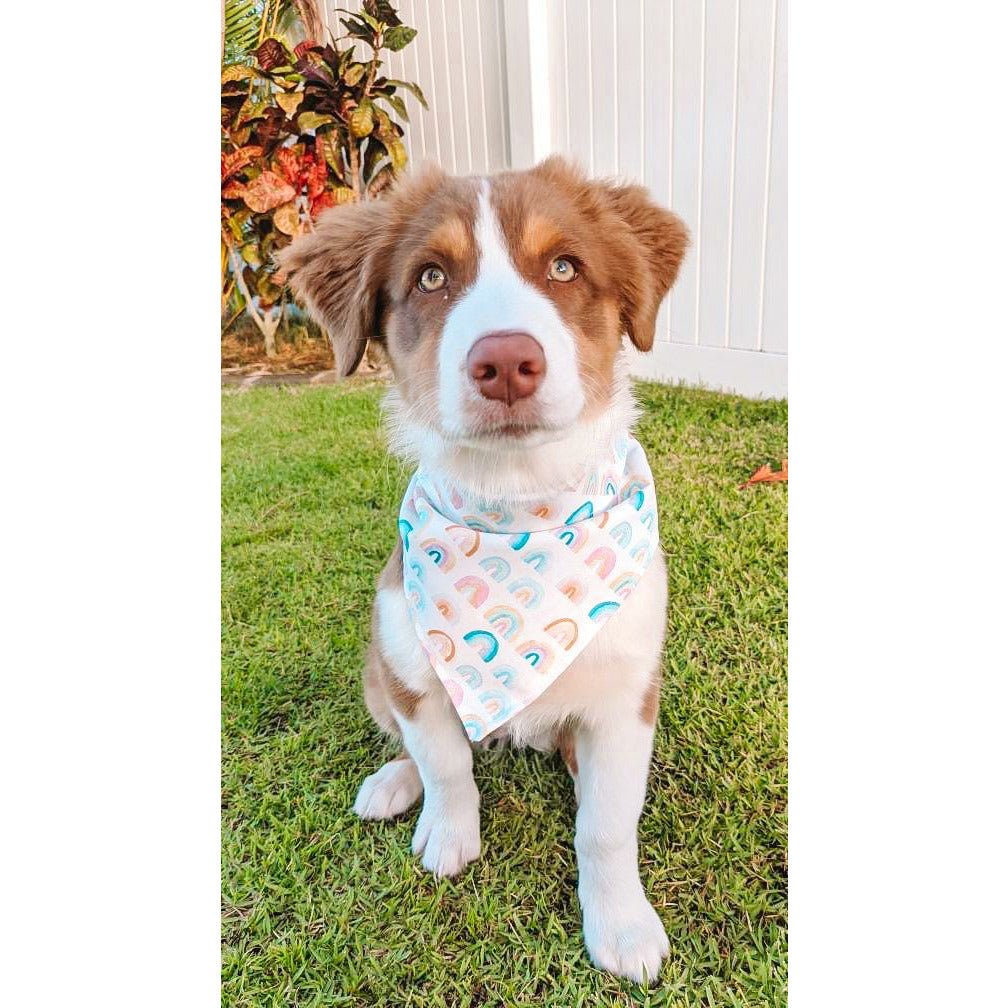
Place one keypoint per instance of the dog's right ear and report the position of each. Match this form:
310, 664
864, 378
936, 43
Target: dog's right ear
338, 271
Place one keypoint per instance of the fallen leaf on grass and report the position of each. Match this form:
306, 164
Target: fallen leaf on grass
766, 475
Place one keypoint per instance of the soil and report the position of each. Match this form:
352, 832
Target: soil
243, 353
244, 356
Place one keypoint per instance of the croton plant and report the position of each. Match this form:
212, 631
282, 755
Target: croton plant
303, 131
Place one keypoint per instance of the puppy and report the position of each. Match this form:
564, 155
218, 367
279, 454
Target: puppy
526, 596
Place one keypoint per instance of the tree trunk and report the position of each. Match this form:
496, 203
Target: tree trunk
267, 322
270, 324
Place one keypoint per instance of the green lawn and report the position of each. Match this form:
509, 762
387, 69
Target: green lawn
322, 909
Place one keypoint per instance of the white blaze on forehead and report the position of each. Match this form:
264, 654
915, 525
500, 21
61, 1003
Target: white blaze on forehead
501, 300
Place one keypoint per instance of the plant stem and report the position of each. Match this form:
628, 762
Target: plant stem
265, 324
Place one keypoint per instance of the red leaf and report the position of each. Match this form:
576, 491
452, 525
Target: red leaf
322, 202
302, 47
766, 475
236, 160
267, 191
288, 163
233, 190
318, 174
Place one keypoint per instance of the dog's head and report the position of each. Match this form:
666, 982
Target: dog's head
501, 301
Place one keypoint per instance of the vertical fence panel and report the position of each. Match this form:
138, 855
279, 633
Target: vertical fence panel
687, 158
605, 113
580, 85
773, 326
718, 175
752, 151
656, 61
629, 61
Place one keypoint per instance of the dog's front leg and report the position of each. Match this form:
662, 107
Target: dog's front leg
622, 931
447, 834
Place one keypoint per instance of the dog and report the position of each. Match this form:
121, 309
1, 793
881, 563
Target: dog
503, 303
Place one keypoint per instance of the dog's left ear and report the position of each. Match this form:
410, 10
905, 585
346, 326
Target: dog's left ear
338, 270
660, 239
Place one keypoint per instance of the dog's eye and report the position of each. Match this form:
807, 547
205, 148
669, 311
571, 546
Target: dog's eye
562, 270
432, 279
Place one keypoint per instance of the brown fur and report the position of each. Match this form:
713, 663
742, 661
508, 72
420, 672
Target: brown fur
627, 251
565, 746
383, 690
649, 702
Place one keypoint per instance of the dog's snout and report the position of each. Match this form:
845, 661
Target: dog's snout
506, 366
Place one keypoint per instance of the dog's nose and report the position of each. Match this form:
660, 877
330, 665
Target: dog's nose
506, 366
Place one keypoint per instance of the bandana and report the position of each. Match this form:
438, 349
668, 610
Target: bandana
505, 596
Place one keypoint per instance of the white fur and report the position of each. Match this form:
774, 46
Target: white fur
447, 834
501, 299
509, 468
389, 791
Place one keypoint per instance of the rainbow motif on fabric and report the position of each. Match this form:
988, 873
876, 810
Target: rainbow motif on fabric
467, 539
528, 592
602, 560
507, 622
474, 727
404, 532
470, 675
439, 553
447, 611
497, 704
622, 534
633, 486
538, 655
442, 644
602, 612
496, 567
539, 561
564, 631
624, 584
483, 642
504, 674
573, 589
477, 524
580, 514
473, 589
497, 513
574, 536
642, 552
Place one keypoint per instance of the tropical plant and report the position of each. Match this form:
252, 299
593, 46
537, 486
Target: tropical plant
303, 131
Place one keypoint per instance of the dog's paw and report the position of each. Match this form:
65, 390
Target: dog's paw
447, 838
626, 938
389, 791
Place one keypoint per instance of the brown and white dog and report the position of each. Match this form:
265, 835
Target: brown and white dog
502, 303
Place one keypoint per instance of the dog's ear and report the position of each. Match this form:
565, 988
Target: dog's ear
645, 243
338, 271
660, 239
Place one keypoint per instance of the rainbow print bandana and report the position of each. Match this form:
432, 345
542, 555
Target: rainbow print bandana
505, 597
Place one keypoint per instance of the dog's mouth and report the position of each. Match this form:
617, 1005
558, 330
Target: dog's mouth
521, 424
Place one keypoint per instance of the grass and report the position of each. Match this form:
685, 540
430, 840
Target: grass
322, 909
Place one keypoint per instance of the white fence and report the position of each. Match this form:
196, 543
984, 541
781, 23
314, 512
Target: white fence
688, 97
